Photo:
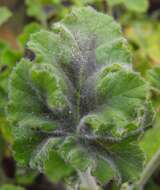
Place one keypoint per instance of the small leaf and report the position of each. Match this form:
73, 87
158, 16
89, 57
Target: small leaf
28, 30
5, 14
103, 171
137, 6
45, 158
10, 187
153, 76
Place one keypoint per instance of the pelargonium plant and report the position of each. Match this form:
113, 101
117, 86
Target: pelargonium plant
76, 105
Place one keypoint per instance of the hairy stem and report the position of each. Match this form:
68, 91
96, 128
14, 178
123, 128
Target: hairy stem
149, 170
87, 181
111, 139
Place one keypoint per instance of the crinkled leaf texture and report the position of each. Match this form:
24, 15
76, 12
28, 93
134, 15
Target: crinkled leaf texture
78, 104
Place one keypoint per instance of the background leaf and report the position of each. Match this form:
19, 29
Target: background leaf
4, 15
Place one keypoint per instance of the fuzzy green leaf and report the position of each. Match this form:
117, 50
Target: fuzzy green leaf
78, 103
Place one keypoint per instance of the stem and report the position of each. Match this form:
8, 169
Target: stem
59, 133
110, 11
78, 107
81, 81
127, 186
149, 170
88, 181
44, 23
105, 5
109, 139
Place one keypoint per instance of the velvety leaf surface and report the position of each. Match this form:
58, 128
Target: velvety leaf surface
78, 104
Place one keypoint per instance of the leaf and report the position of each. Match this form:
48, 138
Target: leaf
146, 49
114, 2
103, 171
35, 8
153, 135
43, 10
137, 6
5, 14
25, 175
124, 152
110, 45
10, 187
8, 59
28, 30
78, 105
126, 160
153, 76
45, 156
